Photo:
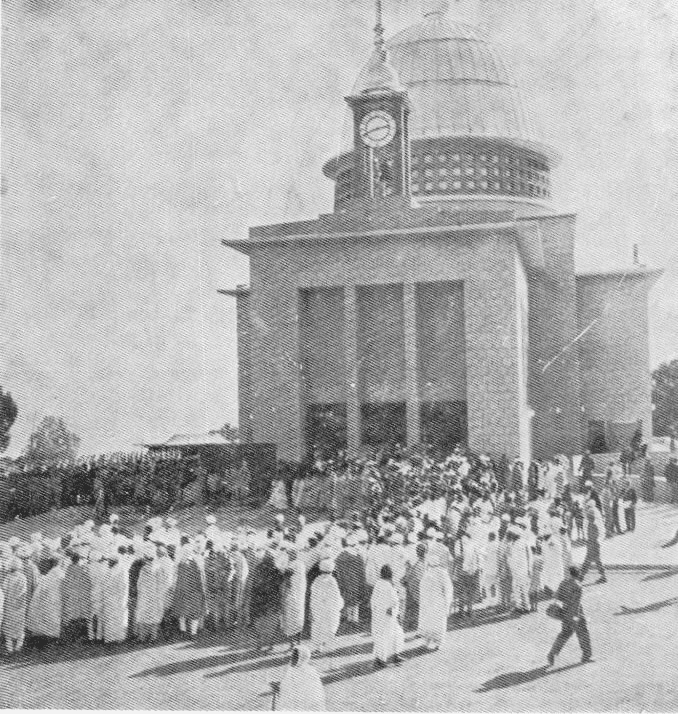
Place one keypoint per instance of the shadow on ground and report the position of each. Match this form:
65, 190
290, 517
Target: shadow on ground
624, 611
509, 680
664, 573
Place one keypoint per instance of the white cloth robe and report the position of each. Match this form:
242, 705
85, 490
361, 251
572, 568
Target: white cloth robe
386, 630
115, 601
150, 595
294, 597
436, 595
519, 566
326, 605
552, 569
97, 572
44, 611
301, 690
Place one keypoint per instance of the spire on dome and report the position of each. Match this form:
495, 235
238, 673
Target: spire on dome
378, 75
379, 31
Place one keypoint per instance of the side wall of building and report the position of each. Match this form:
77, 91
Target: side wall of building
245, 387
614, 353
554, 373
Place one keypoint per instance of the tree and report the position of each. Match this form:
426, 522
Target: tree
230, 432
8, 414
665, 400
51, 443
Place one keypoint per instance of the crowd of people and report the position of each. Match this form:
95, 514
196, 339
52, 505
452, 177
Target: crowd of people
434, 538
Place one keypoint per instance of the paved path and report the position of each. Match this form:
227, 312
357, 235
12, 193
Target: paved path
494, 665
490, 667
656, 525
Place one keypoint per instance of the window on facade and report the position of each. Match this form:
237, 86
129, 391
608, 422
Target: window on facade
483, 157
484, 184
457, 184
428, 186
415, 174
442, 158
443, 172
497, 185
443, 185
469, 170
456, 171
415, 188
456, 157
470, 184
484, 171
428, 172
414, 160
427, 158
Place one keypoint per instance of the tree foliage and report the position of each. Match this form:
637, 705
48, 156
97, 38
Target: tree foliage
665, 400
52, 443
8, 414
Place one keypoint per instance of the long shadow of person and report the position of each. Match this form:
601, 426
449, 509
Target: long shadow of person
212, 661
509, 680
624, 611
665, 573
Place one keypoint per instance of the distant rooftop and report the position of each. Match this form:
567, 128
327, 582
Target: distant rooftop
214, 437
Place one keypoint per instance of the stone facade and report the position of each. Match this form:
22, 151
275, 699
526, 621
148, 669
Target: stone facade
517, 304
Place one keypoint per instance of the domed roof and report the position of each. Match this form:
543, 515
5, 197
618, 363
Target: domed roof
457, 83
377, 76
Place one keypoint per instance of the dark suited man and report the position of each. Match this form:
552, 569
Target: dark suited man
569, 594
629, 505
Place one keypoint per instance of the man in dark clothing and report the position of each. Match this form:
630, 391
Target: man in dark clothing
629, 505
569, 594
586, 468
593, 552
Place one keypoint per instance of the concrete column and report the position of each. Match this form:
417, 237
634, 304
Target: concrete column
410, 336
351, 343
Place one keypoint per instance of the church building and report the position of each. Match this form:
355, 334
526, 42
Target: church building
438, 303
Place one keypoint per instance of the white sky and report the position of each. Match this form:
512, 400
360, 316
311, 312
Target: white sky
136, 134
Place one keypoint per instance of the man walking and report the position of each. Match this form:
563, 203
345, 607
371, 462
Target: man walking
569, 597
593, 554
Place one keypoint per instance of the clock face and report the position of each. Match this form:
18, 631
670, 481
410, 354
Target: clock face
377, 128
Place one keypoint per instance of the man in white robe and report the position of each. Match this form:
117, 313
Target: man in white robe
398, 563
115, 601
293, 596
436, 595
301, 689
386, 630
519, 567
326, 606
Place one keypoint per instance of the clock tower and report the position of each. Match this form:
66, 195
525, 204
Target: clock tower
381, 140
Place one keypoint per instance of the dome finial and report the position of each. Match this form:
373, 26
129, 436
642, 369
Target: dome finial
379, 31
435, 7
